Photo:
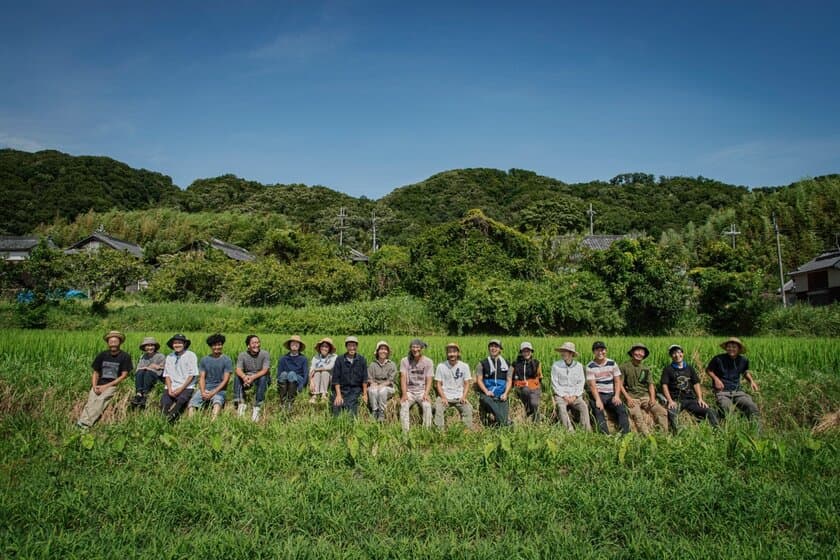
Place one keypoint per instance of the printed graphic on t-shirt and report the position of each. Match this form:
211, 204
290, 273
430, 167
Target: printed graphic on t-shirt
110, 370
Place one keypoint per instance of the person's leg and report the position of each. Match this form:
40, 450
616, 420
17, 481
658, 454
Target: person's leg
660, 415
702, 413
673, 418
620, 412
405, 410
180, 404
563, 413
195, 402
166, 402
601, 416
218, 402
426, 409
637, 415
238, 394
746, 404
484, 410
466, 411
724, 402
261, 389
534, 398
440, 411
501, 410
351, 401
583, 413
95, 406
282, 386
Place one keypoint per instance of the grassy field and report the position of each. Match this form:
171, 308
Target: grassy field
309, 486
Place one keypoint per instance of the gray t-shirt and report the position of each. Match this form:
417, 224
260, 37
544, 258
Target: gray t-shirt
252, 364
156, 359
214, 370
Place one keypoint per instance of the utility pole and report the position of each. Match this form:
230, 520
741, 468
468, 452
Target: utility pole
373, 222
781, 271
591, 213
732, 232
342, 214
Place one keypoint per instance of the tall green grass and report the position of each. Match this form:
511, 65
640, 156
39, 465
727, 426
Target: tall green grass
306, 485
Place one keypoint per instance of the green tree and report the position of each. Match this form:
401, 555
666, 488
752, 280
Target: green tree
104, 274
44, 274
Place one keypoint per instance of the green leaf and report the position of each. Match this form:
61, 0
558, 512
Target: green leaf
118, 445
88, 441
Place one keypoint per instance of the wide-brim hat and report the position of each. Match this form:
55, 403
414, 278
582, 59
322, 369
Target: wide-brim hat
380, 344
638, 345
180, 337
295, 338
497, 342
674, 347
736, 341
350, 339
326, 340
567, 347
112, 334
149, 340
453, 345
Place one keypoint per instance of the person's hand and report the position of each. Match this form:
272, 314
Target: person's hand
425, 398
718, 385
97, 389
462, 400
205, 394
672, 405
569, 399
503, 398
599, 404
403, 397
338, 401
631, 402
364, 398
702, 403
754, 386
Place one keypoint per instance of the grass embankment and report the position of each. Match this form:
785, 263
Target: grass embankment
311, 486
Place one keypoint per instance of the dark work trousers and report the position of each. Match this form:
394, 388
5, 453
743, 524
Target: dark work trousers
350, 396
239, 389
173, 407
145, 380
531, 399
692, 406
495, 407
620, 412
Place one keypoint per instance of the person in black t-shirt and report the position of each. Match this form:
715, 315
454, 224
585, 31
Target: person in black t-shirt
109, 369
726, 371
681, 387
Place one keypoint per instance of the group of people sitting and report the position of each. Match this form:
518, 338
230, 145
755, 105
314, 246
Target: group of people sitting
627, 391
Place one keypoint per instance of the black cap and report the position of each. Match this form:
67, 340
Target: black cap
598, 344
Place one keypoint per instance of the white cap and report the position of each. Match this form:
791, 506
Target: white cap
525, 345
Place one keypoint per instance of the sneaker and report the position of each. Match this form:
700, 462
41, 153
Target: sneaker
240, 410
255, 415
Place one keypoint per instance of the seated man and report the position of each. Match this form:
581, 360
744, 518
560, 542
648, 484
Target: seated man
452, 381
567, 383
605, 385
416, 373
251, 371
726, 371
213, 376
109, 368
639, 390
681, 387
493, 381
349, 379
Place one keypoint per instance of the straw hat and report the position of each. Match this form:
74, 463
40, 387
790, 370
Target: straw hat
568, 347
329, 341
736, 341
638, 345
453, 345
350, 339
149, 340
380, 344
295, 338
112, 334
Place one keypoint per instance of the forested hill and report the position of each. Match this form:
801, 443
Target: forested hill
40, 187
47, 185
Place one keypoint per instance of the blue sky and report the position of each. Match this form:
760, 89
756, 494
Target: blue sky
367, 96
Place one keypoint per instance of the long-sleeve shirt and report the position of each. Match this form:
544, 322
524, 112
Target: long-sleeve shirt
297, 364
567, 380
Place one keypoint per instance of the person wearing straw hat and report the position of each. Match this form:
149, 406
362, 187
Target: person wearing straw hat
252, 370
180, 372
350, 379
527, 378
292, 371
321, 369
726, 371
493, 383
567, 382
149, 371
214, 372
416, 374
604, 378
639, 390
681, 387
452, 382
110, 367
381, 374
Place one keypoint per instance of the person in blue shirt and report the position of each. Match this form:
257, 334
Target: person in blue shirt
292, 372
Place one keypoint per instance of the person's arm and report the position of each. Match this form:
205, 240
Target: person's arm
699, 394
264, 370
202, 385
651, 394
508, 384
467, 383
220, 386
748, 376
618, 386
365, 379
665, 391
94, 381
439, 389
428, 385
593, 388
716, 381
403, 384
479, 380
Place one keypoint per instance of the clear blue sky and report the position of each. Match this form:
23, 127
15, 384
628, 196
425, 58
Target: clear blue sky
367, 96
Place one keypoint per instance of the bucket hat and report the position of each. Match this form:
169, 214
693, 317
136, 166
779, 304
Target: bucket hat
295, 338
327, 340
568, 347
638, 345
112, 334
380, 344
453, 345
149, 340
736, 341
180, 337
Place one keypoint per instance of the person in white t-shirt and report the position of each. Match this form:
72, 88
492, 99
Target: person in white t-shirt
452, 381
